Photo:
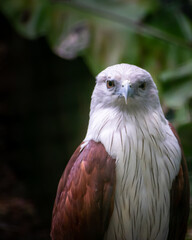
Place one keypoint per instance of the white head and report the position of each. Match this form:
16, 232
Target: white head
124, 95
125, 86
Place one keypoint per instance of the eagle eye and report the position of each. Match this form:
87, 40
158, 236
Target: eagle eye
110, 84
142, 85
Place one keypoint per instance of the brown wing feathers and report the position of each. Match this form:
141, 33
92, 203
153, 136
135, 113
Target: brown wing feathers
85, 194
84, 201
179, 202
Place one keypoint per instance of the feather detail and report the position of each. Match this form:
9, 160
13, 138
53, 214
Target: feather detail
179, 202
148, 159
85, 195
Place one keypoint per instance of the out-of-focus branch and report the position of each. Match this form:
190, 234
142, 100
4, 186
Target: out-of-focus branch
138, 27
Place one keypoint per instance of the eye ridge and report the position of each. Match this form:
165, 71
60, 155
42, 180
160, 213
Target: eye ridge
142, 85
110, 83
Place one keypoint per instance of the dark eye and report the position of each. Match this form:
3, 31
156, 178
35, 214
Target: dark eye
110, 84
142, 85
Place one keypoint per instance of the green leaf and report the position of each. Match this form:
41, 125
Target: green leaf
182, 71
30, 18
177, 96
185, 133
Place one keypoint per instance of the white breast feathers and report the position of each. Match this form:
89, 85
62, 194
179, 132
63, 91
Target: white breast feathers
147, 160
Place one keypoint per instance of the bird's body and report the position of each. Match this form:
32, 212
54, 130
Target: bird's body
137, 169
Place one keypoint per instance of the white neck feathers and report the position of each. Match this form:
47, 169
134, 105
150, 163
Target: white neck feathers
147, 160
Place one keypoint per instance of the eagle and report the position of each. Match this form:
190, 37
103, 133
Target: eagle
128, 179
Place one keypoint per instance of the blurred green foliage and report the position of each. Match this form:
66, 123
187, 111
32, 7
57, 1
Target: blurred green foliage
155, 35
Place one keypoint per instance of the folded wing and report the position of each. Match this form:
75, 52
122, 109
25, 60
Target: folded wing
85, 195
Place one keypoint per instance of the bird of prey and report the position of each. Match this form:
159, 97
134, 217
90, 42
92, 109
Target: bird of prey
128, 179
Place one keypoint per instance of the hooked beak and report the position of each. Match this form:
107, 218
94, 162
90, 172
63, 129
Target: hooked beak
126, 90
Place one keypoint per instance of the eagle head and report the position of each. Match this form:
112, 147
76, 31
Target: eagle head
125, 86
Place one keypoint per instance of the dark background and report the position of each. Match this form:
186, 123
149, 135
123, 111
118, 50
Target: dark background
44, 109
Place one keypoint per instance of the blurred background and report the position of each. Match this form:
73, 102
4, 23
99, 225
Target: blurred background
50, 53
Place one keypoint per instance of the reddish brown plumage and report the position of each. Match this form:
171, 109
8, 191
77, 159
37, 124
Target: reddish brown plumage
179, 203
85, 195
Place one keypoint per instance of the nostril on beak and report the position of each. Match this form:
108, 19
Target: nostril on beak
124, 85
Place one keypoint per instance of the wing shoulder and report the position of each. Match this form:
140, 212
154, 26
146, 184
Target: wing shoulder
84, 200
179, 200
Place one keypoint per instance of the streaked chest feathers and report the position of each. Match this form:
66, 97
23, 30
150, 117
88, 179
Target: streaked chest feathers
147, 161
